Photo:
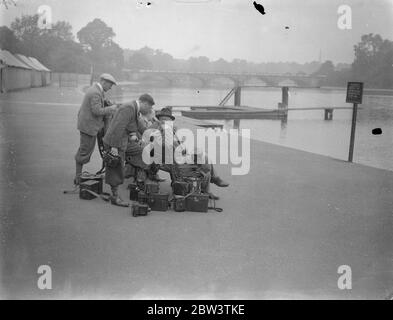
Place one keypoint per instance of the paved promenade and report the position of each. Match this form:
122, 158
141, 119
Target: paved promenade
286, 227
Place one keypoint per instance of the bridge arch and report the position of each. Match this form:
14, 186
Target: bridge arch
287, 82
155, 76
222, 80
268, 80
253, 80
227, 79
189, 79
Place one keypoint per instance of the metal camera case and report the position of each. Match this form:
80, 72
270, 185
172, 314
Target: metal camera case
179, 203
158, 201
139, 210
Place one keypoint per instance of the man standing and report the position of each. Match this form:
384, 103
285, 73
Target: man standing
124, 122
91, 120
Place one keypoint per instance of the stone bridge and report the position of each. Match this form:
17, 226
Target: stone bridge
270, 79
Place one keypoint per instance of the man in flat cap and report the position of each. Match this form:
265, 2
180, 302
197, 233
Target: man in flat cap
91, 120
124, 122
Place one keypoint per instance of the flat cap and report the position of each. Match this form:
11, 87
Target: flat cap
108, 77
165, 112
147, 98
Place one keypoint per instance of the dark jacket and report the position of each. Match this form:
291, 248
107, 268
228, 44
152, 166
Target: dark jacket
124, 121
92, 112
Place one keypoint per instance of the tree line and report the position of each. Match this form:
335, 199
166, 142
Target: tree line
58, 49
373, 64
95, 50
149, 59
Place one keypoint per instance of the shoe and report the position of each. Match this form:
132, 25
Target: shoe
213, 197
219, 182
117, 201
77, 181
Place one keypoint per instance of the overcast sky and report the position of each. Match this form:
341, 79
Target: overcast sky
227, 28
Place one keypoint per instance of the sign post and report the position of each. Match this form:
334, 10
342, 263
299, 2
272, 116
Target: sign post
354, 95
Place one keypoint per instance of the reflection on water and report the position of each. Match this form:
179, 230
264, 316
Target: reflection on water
303, 130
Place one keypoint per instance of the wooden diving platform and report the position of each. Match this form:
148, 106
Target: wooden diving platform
238, 111
244, 112
184, 122
229, 112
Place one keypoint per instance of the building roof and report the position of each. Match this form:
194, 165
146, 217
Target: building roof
27, 61
10, 60
39, 64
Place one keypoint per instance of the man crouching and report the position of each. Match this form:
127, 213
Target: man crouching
124, 122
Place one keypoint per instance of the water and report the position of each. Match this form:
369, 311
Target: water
304, 130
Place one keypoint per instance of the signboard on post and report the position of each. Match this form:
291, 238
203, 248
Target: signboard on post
354, 92
354, 95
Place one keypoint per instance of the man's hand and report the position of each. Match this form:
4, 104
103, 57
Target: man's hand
134, 137
114, 151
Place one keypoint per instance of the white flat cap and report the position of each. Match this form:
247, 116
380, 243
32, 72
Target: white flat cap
108, 77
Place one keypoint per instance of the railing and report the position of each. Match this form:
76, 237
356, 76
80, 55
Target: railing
227, 97
296, 75
71, 80
283, 105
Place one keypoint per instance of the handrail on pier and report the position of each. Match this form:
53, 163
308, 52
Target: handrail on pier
283, 105
227, 97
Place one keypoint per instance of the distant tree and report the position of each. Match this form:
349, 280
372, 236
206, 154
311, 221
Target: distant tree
335, 78
68, 56
54, 47
342, 66
310, 67
139, 61
373, 61
220, 65
148, 52
162, 60
29, 34
97, 39
339, 78
96, 35
8, 3
326, 69
239, 65
127, 53
114, 54
199, 64
61, 30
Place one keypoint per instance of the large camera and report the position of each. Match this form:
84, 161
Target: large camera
108, 103
111, 160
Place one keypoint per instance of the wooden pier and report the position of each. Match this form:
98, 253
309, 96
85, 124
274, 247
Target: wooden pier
231, 113
238, 111
187, 122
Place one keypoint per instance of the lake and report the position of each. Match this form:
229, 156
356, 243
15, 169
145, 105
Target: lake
304, 130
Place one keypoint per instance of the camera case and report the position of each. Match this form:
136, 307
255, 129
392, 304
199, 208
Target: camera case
111, 160
158, 201
179, 203
142, 197
138, 209
181, 188
89, 185
134, 190
151, 187
197, 202
86, 176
